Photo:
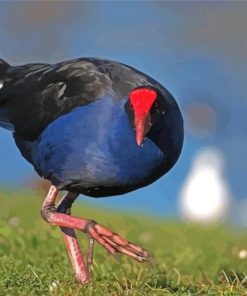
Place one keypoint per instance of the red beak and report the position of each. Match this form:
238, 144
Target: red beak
142, 125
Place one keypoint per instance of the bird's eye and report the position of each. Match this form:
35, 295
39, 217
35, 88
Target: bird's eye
131, 106
156, 107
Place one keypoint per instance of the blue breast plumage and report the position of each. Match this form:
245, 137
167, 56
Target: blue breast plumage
93, 148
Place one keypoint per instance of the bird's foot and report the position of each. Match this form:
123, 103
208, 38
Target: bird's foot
113, 243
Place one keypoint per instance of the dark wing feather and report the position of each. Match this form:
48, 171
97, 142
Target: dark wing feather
37, 94
36, 97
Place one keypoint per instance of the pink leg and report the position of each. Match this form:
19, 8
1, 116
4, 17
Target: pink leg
70, 240
111, 241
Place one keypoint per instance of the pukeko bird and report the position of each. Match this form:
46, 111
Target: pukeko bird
91, 126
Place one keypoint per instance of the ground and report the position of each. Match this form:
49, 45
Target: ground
189, 260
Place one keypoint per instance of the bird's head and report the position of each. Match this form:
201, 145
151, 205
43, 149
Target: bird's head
143, 107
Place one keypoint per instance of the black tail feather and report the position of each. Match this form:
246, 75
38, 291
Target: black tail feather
4, 66
4, 118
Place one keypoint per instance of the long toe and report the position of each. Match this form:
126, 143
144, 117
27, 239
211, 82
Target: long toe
115, 243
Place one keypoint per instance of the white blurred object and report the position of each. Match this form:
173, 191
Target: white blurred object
242, 254
205, 196
1, 84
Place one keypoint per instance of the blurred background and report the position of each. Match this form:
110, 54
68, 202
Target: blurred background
197, 50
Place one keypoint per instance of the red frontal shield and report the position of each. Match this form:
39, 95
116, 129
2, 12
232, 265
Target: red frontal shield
142, 100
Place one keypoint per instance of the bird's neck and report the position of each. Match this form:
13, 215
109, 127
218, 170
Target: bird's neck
163, 135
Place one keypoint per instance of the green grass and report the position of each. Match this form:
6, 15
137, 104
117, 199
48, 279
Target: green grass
189, 260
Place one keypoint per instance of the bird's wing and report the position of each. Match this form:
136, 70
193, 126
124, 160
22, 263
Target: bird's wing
38, 94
